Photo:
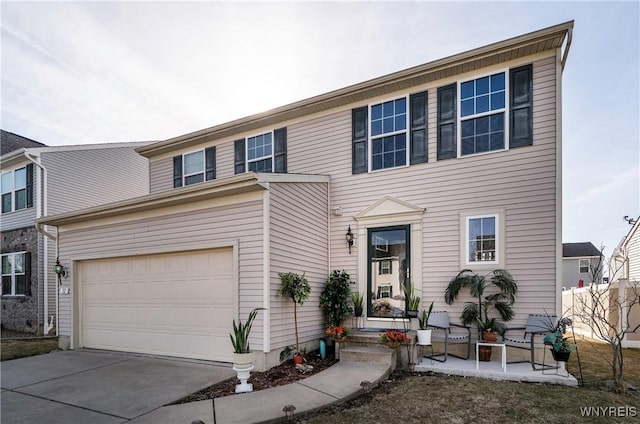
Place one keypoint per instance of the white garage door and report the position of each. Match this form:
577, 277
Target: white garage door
178, 304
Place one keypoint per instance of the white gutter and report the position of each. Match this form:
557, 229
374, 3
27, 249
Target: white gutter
565, 54
41, 210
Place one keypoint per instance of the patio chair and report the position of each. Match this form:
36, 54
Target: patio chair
449, 333
526, 337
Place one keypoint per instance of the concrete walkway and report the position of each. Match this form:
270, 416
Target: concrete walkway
337, 383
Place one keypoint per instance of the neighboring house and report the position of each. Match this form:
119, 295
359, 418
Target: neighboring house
625, 259
582, 264
39, 180
448, 165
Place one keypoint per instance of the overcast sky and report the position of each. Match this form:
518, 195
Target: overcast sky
79, 72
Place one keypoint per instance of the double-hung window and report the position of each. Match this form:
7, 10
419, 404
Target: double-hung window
260, 152
482, 236
482, 114
194, 167
15, 268
389, 134
583, 265
487, 113
17, 189
266, 152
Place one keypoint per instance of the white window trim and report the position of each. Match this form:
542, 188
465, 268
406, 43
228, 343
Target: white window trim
184, 167
506, 111
13, 189
13, 276
247, 161
580, 266
499, 215
405, 131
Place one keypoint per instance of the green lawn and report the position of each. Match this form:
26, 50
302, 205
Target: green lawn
433, 398
13, 348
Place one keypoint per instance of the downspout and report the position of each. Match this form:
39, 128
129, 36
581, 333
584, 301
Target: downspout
41, 210
565, 54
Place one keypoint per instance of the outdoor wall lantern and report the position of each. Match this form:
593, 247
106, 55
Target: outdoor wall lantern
59, 269
349, 237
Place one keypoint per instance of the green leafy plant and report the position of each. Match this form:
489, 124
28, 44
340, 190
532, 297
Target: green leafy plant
478, 313
298, 289
556, 338
334, 299
240, 336
423, 319
413, 301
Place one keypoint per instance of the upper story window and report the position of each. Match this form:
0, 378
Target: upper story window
489, 113
15, 273
482, 236
583, 265
17, 189
194, 167
260, 153
389, 134
482, 111
265, 152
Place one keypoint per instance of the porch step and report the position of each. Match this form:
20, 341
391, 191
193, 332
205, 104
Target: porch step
370, 355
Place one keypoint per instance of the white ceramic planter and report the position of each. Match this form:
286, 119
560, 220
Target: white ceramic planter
242, 360
424, 337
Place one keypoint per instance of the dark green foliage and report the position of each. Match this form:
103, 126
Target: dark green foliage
240, 336
334, 299
298, 289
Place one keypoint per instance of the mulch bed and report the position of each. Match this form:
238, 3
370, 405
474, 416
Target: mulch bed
284, 373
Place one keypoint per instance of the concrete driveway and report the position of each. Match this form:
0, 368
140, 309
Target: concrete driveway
98, 387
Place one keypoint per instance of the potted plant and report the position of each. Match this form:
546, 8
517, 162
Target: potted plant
297, 288
242, 356
334, 299
337, 333
560, 347
394, 338
413, 301
424, 333
358, 301
479, 313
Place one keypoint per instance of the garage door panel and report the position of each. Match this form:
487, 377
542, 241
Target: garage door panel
179, 304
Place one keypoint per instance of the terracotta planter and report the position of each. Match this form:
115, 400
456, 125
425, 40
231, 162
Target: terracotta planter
484, 353
298, 359
490, 336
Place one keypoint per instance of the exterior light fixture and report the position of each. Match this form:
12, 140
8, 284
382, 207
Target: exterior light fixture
59, 269
349, 237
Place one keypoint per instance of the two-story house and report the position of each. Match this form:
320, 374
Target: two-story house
582, 264
36, 181
448, 165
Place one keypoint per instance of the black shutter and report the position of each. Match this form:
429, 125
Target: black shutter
210, 163
30, 185
521, 106
27, 273
177, 171
418, 144
359, 124
239, 156
280, 150
447, 145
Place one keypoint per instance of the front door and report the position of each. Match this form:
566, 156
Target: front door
388, 270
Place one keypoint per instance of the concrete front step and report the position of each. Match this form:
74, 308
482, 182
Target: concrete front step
369, 355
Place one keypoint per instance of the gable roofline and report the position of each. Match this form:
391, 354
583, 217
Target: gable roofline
546, 39
227, 186
580, 250
631, 232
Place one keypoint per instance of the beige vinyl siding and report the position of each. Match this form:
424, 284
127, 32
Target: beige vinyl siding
298, 243
521, 181
176, 232
633, 252
160, 174
84, 178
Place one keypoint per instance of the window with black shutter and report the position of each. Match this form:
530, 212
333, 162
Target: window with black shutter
194, 167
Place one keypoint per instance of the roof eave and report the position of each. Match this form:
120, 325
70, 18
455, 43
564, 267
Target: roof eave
545, 39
